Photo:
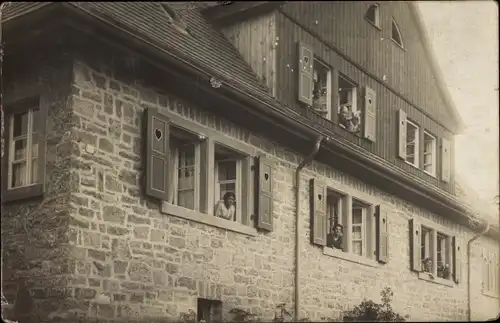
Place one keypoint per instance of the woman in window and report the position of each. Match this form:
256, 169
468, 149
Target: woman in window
226, 207
336, 236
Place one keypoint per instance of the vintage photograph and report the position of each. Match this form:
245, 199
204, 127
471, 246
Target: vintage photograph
250, 161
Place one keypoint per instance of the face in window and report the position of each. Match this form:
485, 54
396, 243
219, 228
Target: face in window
338, 230
229, 199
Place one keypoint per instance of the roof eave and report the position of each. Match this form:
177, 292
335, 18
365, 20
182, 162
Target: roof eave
460, 125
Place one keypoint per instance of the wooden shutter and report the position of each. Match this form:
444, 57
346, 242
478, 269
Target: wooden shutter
264, 193
318, 200
207, 198
457, 259
306, 68
415, 245
402, 134
382, 229
370, 118
445, 160
157, 154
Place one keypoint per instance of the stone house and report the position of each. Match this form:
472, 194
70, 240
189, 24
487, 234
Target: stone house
127, 122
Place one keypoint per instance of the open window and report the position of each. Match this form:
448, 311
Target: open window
412, 143
373, 15
349, 115
322, 89
396, 34
185, 163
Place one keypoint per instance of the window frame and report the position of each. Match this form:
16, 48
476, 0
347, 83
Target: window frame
375, 23
395, 24
175, 169
329, 85
32, 101
416, 156
239, 188
490, 270
434, 154
211, 138
434, 229
368, 256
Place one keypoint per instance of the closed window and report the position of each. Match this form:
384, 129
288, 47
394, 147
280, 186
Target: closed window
491, 282
24, 150
412, 143
429, 154
396, 34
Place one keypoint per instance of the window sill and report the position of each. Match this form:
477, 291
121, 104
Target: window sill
436, 280
490, 294
195, 216
397, 44
413, 165
335, 253
22, 193
430, 174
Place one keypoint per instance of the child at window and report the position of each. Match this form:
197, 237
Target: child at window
225, 208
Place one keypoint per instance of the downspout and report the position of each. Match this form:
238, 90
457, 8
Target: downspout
304, 162
469, 263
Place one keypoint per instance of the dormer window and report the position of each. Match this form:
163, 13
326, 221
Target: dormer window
396, 34
373, 15
175, 20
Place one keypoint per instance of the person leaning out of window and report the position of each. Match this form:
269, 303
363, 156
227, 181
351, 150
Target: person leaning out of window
225, 208
335, 237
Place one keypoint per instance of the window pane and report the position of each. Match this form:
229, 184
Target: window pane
427, 159
357, 215
186, 199
34, 147
227, 170
20, 124
228, 187
35, 120
20, 149
356, 233
357, 248
34, 171
410, 133
186, 155
410, 150
18, 174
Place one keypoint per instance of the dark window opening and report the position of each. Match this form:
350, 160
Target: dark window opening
209, 311
373, 15
396, 34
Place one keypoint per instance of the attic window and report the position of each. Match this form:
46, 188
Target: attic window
373, 15
175, 20
396, 34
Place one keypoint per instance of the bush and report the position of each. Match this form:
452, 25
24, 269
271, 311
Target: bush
369, 311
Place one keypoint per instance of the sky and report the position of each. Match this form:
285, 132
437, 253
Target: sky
464, 36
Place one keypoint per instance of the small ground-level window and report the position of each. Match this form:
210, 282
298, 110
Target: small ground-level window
209, 311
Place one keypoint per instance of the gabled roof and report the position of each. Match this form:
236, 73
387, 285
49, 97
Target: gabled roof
436, 70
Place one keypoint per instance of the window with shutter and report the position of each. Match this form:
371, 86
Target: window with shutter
318, 208
382, 235
412, 144
402, 134
305, 74
264, 193
445, 160
24, 160
370, 120
322, 89
416, 253
348, 113
429, 151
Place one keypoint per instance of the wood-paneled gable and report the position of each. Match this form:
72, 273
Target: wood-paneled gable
388, 102
257, 42
406, 71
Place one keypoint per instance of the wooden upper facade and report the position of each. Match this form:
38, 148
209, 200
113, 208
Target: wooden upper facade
369, 61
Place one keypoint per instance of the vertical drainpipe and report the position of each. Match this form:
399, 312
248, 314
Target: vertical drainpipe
469, 263
306, 161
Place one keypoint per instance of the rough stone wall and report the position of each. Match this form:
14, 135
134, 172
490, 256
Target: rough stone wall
148, 263
34, 231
